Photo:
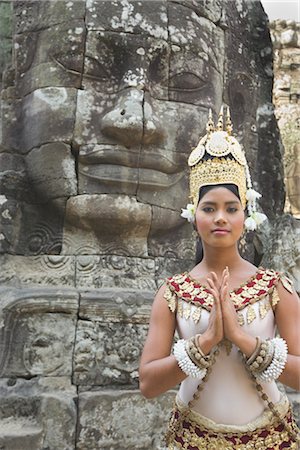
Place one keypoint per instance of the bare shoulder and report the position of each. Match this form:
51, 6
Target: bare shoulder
161, 329
287, 315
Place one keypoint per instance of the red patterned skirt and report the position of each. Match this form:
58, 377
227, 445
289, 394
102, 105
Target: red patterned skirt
185, 432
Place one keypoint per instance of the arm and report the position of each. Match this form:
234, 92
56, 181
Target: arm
158, 370
287, 314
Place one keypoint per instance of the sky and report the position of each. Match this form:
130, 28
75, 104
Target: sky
282, 9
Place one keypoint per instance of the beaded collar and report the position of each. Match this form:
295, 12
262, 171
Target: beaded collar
182, 291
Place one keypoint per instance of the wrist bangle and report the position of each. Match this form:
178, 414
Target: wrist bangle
275, 368
185, 363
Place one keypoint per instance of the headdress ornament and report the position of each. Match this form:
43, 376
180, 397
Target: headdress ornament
218, 159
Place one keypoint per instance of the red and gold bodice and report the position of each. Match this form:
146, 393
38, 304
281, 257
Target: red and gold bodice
183, 291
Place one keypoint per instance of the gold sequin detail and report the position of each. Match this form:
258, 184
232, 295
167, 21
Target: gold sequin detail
275, 298
241, 319
264, 307
250, 314
171, 298
191, 292
187, 311
180, 308
287, 283
196, 314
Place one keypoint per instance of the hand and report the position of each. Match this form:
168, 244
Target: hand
229, 315
215, 329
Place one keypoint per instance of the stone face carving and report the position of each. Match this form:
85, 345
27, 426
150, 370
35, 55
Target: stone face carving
99, 111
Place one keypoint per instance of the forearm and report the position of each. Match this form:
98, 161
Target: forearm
244, 342
157, 377
291, 374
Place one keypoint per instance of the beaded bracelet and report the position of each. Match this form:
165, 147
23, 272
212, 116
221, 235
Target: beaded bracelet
196, 354
275, 368
263, 356
185, 363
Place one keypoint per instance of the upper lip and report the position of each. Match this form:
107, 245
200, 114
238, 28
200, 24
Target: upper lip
220, 229
132, 158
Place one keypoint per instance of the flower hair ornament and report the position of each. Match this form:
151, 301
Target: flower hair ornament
219, 159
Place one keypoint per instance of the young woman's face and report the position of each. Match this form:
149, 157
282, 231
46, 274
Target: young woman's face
220, 218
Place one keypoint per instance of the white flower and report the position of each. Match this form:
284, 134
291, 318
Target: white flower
259, 217
254, 220
252, 195
188, 213
250, 224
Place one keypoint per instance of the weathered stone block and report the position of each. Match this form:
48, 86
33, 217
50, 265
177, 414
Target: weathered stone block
130, 17
110, 420
32, 229
50, 270
107, 224
51, 170
37, 413
50, 57
115, 271
47, 115
13, 177
33, 15
175, 241
37, 331
108, 354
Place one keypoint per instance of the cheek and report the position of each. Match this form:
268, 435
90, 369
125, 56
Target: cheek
202, 222
238, 221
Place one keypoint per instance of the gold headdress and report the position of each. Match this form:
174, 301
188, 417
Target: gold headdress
219, 159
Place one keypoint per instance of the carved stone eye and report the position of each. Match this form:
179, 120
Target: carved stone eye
187, 81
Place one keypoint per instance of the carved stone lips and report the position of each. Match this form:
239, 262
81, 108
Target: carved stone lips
114, 164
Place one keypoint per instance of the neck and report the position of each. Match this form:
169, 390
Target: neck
217, 258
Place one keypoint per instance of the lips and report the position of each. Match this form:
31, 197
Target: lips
154, 169
220, 230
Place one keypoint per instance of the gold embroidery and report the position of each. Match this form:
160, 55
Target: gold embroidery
263, 309
250, 314
196, 314
188, 290
187, 310
275, 298
180, 308
196, 434
171, 298
241, 319
287, 283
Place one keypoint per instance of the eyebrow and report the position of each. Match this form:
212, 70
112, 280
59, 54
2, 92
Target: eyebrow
226, 203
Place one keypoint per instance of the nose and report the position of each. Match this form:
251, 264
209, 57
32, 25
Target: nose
220, 217
132, 120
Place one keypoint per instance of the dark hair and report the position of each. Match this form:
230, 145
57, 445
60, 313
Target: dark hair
203, 190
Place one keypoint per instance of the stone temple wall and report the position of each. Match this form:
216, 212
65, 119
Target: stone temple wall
101, 103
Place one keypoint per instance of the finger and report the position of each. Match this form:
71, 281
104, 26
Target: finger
224, 293
215, 279
213, 284
213, 287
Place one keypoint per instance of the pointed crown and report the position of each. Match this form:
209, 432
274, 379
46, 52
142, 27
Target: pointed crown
218, 159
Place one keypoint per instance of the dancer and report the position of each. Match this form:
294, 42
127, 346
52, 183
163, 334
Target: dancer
226, 312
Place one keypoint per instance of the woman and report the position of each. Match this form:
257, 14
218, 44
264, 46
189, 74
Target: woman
225, 311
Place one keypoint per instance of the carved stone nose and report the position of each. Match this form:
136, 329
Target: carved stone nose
132, 122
